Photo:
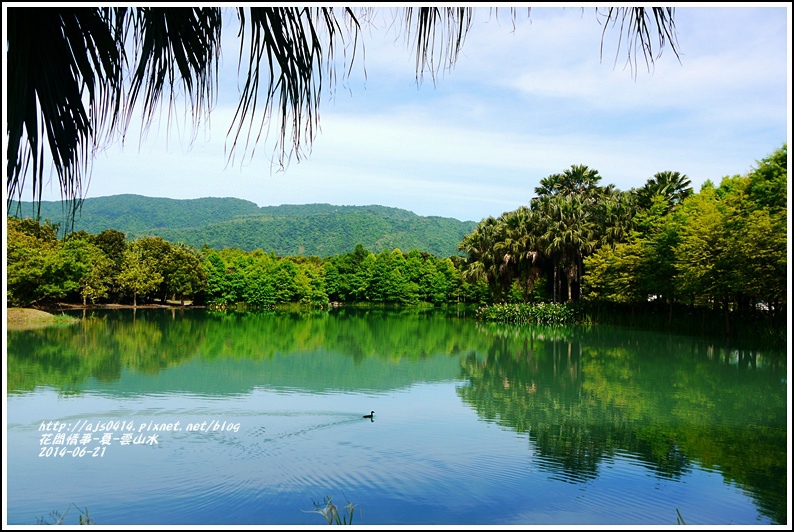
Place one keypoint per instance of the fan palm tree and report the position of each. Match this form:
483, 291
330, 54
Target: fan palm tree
674, 187
75, 74
520, 245
578, 180
486, 260
569, 205
615, 214
566, 237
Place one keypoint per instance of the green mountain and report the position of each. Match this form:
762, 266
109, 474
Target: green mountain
316, 229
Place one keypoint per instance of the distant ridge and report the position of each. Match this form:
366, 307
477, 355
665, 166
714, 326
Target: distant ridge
314, 229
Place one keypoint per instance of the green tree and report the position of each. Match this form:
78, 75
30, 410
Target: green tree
44, 231
401, 288
412, 270
452, 279
658, 234
578, 180
382, 283
64, 269
568, 206
641, 267
440, 287
139, 275
44, 269
334, 282
613, 274
724, 248
768, 182
260, 280
285, 274
759, 255
158, 253
428, 281
310, 285
238, 269
484, 262
97, 271
28, 250
755, 221
361, 279
567, 236
186, 277
706, 274
217, 283
615, 217
340, 274
521, 248
112, 243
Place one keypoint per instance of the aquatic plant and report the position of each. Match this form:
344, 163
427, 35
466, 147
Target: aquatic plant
331, 512
58, 517
539, 313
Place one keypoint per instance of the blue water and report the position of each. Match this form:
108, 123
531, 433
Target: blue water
444, 447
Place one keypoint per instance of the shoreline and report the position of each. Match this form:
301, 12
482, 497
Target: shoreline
25, 318
76, 306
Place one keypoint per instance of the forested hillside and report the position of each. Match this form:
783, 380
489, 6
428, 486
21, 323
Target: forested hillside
318, 229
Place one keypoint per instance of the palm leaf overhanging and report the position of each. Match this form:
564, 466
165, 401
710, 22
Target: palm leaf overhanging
75, 74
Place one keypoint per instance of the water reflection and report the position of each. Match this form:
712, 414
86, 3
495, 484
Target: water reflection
585, 398
585, 395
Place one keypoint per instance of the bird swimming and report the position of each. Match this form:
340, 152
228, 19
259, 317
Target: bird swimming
370, 414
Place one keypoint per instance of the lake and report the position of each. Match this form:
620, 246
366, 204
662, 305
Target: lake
195, 417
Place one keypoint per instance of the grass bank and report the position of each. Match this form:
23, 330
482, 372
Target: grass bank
29, 318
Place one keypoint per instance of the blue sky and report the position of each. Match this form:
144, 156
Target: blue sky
520, 104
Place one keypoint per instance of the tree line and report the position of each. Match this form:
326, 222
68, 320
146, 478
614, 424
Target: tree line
106, 268
723, 248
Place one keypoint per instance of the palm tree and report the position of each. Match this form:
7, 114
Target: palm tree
568, 205
521, 246
566, 236
674, 187
485, 259
578, 180
75, 74
615, 217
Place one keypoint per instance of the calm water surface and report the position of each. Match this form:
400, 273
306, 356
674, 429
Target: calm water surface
253, 418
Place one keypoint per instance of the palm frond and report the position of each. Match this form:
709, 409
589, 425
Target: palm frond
299, 47
54, 65
637, 25
173, 46
439, 33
